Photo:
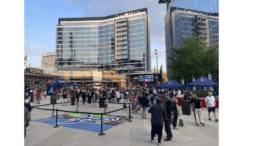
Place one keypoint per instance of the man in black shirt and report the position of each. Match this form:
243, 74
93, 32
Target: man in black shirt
191, 104
168, 120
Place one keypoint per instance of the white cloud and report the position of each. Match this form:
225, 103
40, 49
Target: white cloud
27, 47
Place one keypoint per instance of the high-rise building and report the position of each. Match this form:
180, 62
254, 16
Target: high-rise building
48, 59
116, 42
182, 23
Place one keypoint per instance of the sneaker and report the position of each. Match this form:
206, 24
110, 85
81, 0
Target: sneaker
159, 143
28, 128
216, 120
152, 141
210, 119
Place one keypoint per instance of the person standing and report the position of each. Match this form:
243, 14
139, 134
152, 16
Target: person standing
34, 95
185, 97
83, 94
211, 102
168, 120
118, 96
29, 107
139, 100
26, 112
145, 104
158, 113
133, 103
113, 95
176, 113
191, 104
73, 97
64, 97
154, 95
38, 95
197, 106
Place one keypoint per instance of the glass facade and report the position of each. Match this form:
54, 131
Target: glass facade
91, 44
180, 24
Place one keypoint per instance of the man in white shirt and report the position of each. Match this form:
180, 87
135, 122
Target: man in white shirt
118, 96
210, 102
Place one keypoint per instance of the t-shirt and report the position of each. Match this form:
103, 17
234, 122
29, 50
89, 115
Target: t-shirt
196, 103
38, 95
133, 98
179, 91
210, 101
117, 94
154, 91
140, 99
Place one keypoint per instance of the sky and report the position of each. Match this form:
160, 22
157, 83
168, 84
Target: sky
41, 18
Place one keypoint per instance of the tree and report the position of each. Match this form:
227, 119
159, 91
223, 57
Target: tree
193, 59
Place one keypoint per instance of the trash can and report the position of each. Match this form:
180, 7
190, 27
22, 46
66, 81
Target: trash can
186, 109
31, 98
53, 99
101, 102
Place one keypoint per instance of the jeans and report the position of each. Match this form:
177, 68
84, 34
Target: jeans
194, 114
175, 118
198, 115
118, 100
144, 112
38, 100
157, 129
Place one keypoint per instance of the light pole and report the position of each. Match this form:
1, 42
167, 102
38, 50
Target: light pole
155, 50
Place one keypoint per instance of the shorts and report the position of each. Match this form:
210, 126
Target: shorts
211, 109
124, 106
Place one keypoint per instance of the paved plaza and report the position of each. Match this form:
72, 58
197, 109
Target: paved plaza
135, 133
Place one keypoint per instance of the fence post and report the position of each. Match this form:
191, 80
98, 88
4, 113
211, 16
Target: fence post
101, 132
56, 126
129, 119
53, 111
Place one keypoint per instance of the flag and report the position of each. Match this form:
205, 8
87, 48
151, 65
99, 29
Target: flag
25, 58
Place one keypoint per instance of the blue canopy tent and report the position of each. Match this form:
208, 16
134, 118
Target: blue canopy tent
171, 84
202, 82
51, 87
75, 84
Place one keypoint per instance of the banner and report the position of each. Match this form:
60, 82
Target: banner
51, 88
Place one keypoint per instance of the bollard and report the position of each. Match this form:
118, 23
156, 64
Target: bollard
56, 126
53, 111
101, 133
129, 120
77, 106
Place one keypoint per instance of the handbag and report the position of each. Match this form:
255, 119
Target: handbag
181, 122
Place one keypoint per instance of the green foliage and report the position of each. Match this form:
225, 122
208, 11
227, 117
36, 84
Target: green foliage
193, 59
196, 92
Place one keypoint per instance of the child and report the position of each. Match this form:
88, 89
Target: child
124, 105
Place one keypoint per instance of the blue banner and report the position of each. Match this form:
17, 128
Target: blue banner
51, 88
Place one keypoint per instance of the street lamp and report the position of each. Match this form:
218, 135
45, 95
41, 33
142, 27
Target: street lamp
155, 50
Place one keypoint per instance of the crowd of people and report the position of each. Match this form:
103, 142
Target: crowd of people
162, 104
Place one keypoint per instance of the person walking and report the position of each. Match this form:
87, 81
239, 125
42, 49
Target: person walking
176, 113
68, 95
38, 95
145, 104
211, 102
158, 113
168, 120
197, 106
